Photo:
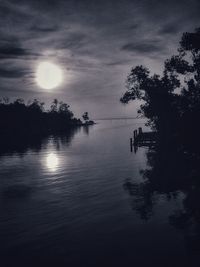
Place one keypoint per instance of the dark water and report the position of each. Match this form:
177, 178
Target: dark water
84, 200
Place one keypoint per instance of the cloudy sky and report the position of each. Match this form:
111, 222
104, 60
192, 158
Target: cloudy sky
95, 42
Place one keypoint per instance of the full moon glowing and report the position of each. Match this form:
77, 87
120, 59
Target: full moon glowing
48, 75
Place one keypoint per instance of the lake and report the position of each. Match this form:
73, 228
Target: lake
83, 199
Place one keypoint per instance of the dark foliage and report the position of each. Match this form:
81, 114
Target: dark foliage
87, 120
17, 117
171, 102
85, 116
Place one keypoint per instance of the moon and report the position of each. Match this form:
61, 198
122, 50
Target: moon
48, 75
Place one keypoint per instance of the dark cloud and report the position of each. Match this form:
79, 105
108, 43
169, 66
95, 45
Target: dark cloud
12, 73
7, 51
44, 29
72, 40
13, 16
171, 28
142, 47
134, 26
12, 50
118, 63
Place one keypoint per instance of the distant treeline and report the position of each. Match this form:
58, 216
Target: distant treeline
19, 117
171, 101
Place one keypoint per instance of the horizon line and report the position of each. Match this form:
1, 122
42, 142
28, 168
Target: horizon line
119, 118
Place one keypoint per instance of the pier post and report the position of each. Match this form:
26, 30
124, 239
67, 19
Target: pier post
135, 136
131, 144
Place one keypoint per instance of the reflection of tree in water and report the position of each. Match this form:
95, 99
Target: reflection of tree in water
86, 129
142, 201
188, 219
64, 138
20, 144
170, 173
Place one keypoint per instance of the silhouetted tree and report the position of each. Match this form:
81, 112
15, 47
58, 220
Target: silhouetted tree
172, 113
54, 106
36, 106
186, 65
18, 117
85, 116
64, 110
156, 92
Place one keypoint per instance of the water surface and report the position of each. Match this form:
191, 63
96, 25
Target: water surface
79, 200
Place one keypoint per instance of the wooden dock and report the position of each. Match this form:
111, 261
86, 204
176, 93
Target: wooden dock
141, 138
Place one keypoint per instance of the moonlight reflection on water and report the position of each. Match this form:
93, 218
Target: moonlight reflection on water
52, 162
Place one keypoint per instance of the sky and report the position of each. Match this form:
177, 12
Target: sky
94, 42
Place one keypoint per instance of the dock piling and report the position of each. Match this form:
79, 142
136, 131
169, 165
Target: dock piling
131, 144
141, 138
